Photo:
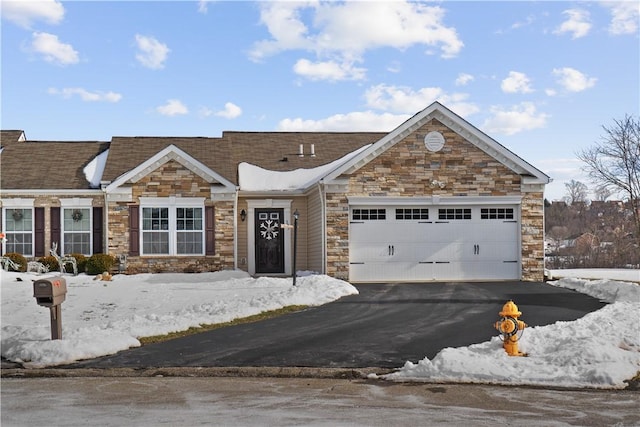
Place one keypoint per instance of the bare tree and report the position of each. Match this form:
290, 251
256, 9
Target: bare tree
614, 162
603, 193
576, 192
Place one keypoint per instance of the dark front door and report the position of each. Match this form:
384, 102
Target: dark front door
269, 241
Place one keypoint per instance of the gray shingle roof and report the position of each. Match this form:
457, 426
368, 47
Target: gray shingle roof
9, 136
59, 165
47, 165
222, 155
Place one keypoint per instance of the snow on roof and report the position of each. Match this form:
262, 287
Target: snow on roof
93, 171
255, 178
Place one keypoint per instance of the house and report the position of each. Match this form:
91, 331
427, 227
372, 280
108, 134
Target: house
434, 199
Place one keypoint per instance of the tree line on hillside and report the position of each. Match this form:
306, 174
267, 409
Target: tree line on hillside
600, 233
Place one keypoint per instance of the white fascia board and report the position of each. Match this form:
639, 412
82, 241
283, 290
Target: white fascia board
60, 192
490, 146
170, 152
458, 125
274, 193
435, 200
382, 145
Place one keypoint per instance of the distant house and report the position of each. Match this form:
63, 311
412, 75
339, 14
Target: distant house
434, 199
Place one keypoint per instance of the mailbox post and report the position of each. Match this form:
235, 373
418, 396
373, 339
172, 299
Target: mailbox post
51, 292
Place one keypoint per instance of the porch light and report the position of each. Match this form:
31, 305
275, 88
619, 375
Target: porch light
243, 215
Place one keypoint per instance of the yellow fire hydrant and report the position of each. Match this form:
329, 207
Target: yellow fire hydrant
509, 325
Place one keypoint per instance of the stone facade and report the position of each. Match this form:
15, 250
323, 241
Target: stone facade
173, 180
408, 170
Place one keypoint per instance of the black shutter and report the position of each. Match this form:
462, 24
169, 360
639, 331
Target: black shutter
209, 230
97, 230
56, 228
134, 230
38, 244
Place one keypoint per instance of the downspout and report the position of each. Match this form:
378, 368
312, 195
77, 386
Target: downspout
323, 226
105, 243
235, 229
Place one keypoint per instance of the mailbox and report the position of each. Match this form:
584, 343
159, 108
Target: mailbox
50, 292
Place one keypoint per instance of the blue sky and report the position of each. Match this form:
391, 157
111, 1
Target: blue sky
541, 78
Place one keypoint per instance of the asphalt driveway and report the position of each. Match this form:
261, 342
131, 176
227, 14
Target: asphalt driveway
384, 326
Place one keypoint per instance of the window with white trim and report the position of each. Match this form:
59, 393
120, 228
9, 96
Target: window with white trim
18, 230
76, 231
172, 229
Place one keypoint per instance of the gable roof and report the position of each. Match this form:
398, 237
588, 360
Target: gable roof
267, 150
128, 153
171, 152
456, 123
43, 165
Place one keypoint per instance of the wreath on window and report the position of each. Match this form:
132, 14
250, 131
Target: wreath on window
76, 215
17, 215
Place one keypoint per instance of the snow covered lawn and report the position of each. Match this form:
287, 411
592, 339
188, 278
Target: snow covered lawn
101, 318
600, 350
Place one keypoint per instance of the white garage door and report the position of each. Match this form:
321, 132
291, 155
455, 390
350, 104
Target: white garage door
422, 243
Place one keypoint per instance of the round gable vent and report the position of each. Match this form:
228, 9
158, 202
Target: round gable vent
434, 141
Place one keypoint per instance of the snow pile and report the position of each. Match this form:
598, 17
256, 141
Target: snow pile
600, 350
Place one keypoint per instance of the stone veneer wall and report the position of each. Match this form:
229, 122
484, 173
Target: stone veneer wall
407, 170
173, 179
532, 214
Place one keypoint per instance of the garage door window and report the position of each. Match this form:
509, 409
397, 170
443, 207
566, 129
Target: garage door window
454, 213
369, 214
415, 213
496, 213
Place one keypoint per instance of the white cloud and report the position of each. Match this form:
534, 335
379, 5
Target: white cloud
405, 100
231, 111
340, 33
397, 103
577, 23
85, 95
516, 83
624, 17
53, 50
573, 80
394, 67
173, 107
328, 70
463, 79
519, 118
152, 53
25, 13
360, 121
203, 5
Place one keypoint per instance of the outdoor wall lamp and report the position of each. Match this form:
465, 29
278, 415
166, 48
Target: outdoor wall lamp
243, 215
